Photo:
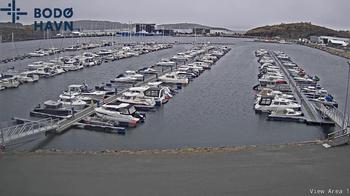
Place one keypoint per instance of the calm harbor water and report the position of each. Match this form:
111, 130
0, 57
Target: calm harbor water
216, 109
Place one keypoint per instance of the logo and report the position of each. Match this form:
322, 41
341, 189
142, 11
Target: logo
53, 19
13, 11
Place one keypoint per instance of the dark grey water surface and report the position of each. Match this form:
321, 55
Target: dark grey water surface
214, 110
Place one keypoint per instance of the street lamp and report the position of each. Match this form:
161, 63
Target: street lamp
346, 98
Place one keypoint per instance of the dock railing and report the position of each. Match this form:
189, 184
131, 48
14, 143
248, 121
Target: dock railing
9, 134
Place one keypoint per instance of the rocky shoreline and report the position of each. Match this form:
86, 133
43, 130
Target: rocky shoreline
334, 51
189, 150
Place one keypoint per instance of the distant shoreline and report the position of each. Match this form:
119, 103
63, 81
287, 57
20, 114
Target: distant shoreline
334, 51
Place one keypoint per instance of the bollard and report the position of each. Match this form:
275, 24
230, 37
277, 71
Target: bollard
2, 139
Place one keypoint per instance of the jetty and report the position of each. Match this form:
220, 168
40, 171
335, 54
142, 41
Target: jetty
316, 113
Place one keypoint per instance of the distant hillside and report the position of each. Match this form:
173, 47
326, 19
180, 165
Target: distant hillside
187, 26
295, 31
26, 32
20, 32
101, 25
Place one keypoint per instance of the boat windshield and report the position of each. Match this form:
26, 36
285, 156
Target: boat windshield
132, 110
152, 93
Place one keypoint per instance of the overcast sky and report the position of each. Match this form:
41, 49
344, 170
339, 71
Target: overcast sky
233, 14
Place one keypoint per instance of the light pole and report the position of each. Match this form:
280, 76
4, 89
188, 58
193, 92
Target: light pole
346, 98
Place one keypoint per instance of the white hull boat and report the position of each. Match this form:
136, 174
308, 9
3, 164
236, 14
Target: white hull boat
138, 102
123, 113
173, 78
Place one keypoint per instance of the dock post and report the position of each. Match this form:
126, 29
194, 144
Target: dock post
346, 98
2, 146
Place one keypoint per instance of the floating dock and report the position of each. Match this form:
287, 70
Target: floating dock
311, 115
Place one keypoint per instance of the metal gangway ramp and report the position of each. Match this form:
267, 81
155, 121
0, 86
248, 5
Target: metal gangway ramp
20, 131
341, 136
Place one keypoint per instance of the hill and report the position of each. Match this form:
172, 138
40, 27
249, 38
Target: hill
295, 31
25, 32
187, 26
20, 32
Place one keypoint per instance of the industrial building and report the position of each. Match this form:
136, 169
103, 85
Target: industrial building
329, 40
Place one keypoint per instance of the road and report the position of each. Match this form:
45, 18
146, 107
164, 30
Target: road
263, 170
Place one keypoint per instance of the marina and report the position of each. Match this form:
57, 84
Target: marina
109, 116
213, 79
62, 64
304, 100
174, 97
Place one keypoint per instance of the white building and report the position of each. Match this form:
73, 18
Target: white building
183, 31
335, 40
220, 32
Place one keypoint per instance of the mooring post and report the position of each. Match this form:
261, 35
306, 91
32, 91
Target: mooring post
2, 146
346, 98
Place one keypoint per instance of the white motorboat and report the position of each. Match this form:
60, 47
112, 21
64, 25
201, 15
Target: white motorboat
38, 53
180, 57
128, 77
72, 102
52, 51
287, 112
173, 78
2, 87
88, 61
148, 70
268, 104
217, 53
192, 67
28, 76
45, 72
210, 57
208, 61
104, 52
269, 92
169, 92
37, 64
124, 79
160, 95
304, 79
187, 72
57, 69
327, 100
9, 82
83, 91
133, 53
139, 102
261, 52
202, 64
89, 54
166, 62
72, 48
123, 113
72, 67
133, 74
